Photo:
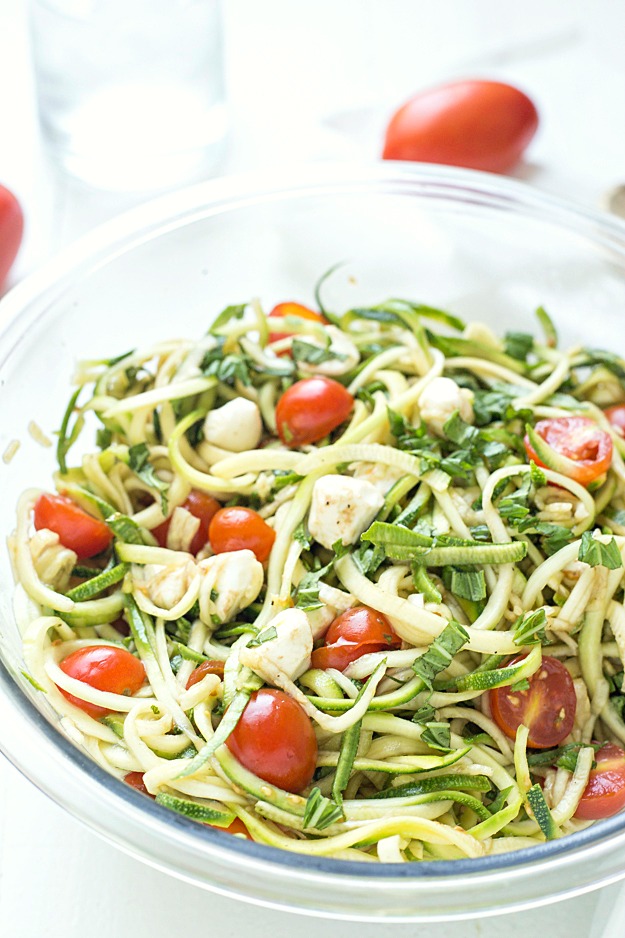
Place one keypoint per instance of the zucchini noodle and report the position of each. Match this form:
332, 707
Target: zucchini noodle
436, 504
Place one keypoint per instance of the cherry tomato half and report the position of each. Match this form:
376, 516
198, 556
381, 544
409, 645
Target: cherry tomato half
239, 528
547, 708
354, 633
579, 439
616, 416
104, 667
11, 230
310, 409
135, 780
80, 532
480, 124
290, 309
275, 740
604, 794
207, 667
201, 506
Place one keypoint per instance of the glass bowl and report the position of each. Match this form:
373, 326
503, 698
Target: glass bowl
485, 247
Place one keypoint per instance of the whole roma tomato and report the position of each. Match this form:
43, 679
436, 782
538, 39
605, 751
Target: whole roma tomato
478, 124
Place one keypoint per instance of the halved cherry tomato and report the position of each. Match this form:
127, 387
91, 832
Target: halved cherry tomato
312, 408
80, 532
354, 633
480, 124
237, 827
135, 780
11, 230
207, 667
104, 667
579, 439
275, 740
201, 506
604, 794
616, 416
238, 528
547, 708
290, 309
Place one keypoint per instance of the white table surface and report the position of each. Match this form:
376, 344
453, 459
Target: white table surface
306, 82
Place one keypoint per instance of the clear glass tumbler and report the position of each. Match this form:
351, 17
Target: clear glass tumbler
131, 92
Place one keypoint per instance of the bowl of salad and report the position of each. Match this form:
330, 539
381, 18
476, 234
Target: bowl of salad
314, 504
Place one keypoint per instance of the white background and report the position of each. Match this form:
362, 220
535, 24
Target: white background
306, 81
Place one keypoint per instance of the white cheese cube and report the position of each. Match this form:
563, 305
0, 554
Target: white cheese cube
440, 399
236, 426
342, 508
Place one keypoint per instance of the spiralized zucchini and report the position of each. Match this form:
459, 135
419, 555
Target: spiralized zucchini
481, 562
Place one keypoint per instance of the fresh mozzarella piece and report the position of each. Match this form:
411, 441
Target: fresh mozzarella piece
321, 619
236, 426
182, 529
52, 561
230, 582
287, 653
347, 355
383, 477
165, 585
440, 399
342, 508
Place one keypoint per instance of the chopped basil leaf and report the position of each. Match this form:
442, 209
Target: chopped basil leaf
103, 437
518, 345
138, 461
437, 736
424, 714
304, 351
597, 554
529, 629
302, 535
465, 582
440, 653
267, 635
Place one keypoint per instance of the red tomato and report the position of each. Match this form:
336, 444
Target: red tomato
275, 740
11, 230
480, 124
310, 409
604, 794
354, 633
201, 506
290, 309
579, 439
237, 827
77, 530
135, 780
547, 708
104, 667
207, 667
239, 528
616, 416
